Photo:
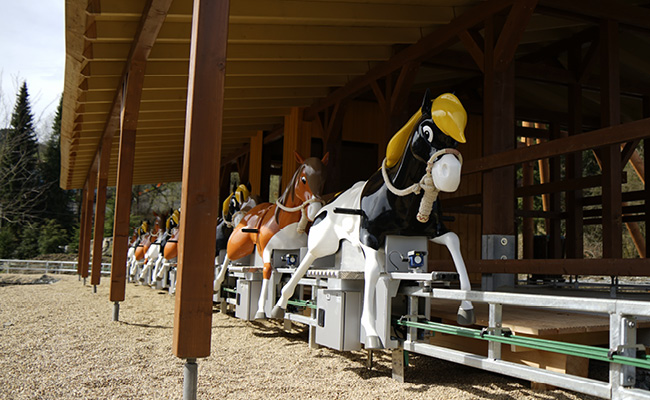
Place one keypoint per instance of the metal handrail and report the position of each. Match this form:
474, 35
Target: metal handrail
46, 266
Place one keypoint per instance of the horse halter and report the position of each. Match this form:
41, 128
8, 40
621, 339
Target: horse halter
302, 224
425, 183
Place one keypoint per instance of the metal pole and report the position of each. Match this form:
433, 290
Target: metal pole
94, 288
116, 311
190, 379
84, 281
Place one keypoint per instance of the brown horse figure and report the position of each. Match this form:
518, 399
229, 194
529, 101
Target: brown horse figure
280, 225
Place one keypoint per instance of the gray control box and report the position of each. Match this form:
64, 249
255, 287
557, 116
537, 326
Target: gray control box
338, 319
248, 294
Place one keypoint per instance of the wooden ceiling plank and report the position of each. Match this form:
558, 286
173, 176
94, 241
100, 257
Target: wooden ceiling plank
152, 19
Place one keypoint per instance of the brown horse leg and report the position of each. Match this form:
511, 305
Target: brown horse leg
266, 274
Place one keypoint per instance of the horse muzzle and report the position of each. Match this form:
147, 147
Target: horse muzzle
314, 208
446, 173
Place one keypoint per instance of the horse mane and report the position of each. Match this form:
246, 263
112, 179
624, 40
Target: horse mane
398, 142
289, 192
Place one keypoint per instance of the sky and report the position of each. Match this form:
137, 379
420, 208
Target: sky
32, 49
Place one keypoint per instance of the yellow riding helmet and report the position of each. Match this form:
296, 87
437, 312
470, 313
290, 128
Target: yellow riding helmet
242, 194
226, 205
449, 115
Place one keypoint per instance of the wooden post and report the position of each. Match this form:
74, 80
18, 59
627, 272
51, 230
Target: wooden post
84, 231
646, 187
100, 209
199, 203
294, 141
574, 221
528, 230
255, 162
498, 136
128, 125
84, 235
611, 155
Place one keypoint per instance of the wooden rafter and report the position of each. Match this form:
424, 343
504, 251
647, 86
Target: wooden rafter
424, 48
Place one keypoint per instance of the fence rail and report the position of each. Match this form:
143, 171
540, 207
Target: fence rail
45, 266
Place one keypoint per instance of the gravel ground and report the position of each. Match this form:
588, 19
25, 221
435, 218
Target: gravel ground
57, 341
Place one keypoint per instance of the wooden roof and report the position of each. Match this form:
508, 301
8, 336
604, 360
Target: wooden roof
304, 53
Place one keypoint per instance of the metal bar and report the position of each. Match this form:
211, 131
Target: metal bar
591, 352
606, 306
302, 303
578, 384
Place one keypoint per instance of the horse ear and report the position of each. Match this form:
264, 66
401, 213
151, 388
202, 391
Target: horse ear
326, 158
299, 158
426, 103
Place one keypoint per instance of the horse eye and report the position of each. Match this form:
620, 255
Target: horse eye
303, 179
427, 131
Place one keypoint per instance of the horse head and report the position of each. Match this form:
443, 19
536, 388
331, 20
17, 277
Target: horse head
158, 224
234, 203
173, 220
432, 135
306, 186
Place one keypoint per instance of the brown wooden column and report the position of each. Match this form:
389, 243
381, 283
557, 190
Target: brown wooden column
332, 128
646, 167
574, 221
255, 162
611, 155
498, 136
84, 228
128, 125
295, 140
199, 203
100, 209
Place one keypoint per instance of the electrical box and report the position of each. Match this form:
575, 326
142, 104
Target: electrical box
338, 319
406, 253
248, 294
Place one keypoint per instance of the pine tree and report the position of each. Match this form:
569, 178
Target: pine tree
57, 202
21, 190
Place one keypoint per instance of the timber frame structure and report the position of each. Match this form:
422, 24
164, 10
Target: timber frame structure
170, 90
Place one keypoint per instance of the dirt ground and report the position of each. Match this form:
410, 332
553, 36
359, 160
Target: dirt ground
57, 341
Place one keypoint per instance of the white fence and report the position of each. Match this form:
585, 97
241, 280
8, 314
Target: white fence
45, 266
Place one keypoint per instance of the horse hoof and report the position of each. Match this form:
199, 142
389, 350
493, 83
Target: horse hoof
277, 312
466, 317
260, 315
373, 342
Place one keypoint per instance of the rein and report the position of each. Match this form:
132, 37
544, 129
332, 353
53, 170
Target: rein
302, 224
426, 184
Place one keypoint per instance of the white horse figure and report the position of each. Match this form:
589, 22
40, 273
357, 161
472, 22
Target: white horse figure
421, 160
136, 251
151, 252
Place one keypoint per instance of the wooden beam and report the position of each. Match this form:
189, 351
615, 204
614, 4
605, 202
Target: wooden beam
100, 210
255, 159
200, 196
128, 126
498, 136
510, 36
611, 155
423, 49
86, 222
601, 137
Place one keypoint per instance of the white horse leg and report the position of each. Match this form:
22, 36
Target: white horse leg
261, 302
158, 267
218, 280
290, 287
145, 270
466, 311
369, 314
